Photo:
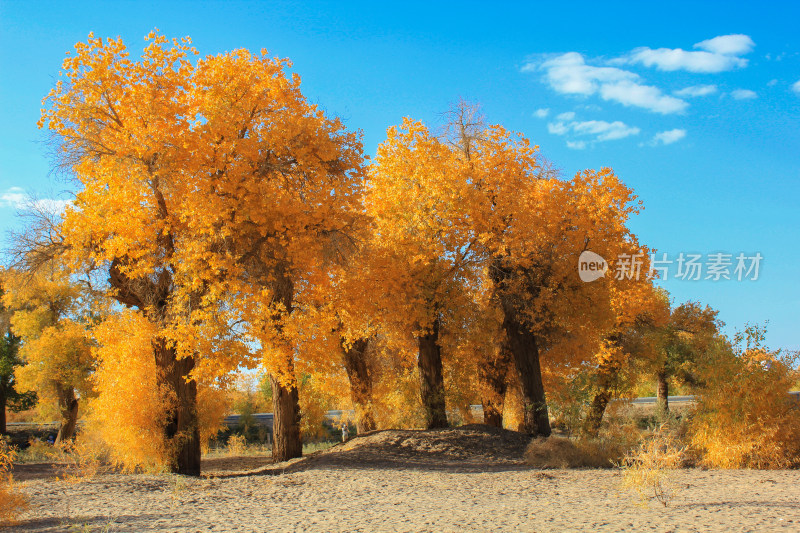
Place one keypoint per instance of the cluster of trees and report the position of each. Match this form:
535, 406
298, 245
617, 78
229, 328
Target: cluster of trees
223, 222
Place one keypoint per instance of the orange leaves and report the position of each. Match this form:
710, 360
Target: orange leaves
200, 177
744, 417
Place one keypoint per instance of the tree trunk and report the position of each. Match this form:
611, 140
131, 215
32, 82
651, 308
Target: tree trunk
355, 362
3, 402
68, 405
493, 375
182, 430
662, 392
591, 426
524, 349
607, 374
286, 443
431, 378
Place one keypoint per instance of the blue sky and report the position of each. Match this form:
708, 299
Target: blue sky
695, 105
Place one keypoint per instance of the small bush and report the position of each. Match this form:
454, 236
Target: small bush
12, 504
237, 444
646, 469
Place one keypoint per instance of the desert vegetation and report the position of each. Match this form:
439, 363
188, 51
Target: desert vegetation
231, 249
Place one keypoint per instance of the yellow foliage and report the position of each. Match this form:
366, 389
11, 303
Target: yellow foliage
11, 502
54, 327
314, 401
129, 413
745, 417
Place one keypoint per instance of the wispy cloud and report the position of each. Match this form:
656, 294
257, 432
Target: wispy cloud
734, 44
715, 55
744, 94
541, 113
796, 86
16, 198
600, 130
570, 74
668, 137
645, 96
696, 90
576, 145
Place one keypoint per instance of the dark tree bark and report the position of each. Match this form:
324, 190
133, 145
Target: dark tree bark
287, 443
68, 405
522, 344
3, 402
182, 429
431, 378
591, 426
607, 377
493, 375
152, 295
358, 373
287, 439
525, 351
662, 392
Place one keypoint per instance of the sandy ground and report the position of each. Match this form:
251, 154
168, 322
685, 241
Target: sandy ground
464, 479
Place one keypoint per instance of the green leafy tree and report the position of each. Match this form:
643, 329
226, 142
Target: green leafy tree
10, 396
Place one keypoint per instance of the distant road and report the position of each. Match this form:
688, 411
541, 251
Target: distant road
265, 419
653, 399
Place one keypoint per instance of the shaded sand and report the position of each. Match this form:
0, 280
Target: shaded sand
464, 479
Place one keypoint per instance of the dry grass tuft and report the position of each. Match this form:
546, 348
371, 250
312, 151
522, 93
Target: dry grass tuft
647, 469
562, 452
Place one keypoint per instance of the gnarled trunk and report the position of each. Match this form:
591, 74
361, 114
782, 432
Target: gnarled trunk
286, 443
182, 430
493, 376
68, 405
355, 362
662, 392
431, 378
523, 346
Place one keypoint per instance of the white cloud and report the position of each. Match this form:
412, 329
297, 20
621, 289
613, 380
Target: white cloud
772, 83
576, 145
744, 94
16, 198
715, 55
13, 197
646, 96
569, 115
668, 137
557, 128
796, 86
599, 129
697, 90
541, 113
734, 44
670, 59
569, 74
